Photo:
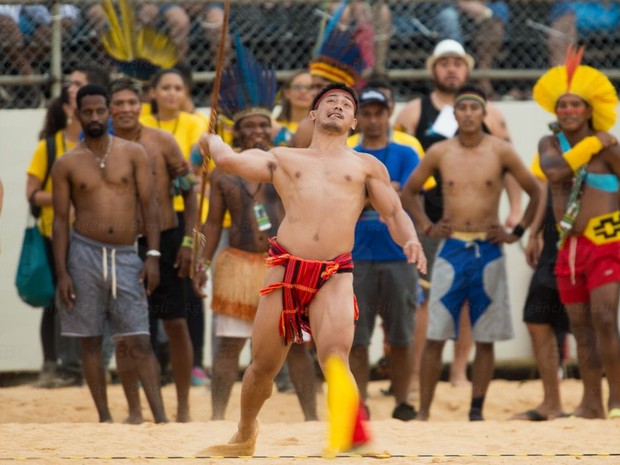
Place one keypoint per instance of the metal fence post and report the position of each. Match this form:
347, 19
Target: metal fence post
56, 58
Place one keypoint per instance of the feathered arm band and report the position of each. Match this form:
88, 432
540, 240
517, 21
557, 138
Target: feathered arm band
583, 152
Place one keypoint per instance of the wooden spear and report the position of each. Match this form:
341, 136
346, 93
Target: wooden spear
215, 95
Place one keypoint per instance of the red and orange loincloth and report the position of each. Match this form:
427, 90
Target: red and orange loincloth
302, 280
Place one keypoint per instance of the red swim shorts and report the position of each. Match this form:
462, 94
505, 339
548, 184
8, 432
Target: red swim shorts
588, 266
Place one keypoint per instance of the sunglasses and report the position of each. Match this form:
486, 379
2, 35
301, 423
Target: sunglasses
300, 87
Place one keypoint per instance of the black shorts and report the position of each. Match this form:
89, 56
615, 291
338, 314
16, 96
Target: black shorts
543, 304
169, 299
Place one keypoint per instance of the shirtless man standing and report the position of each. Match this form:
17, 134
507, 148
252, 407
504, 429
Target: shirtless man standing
168, 301
324, 189
256, 212
107, 180
430, 119
470, 264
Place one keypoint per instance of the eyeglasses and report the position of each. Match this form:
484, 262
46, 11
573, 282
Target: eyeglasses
300, 87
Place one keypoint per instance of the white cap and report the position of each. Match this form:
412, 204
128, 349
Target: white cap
449, 48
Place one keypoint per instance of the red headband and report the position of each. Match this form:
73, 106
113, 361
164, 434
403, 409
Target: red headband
331, 91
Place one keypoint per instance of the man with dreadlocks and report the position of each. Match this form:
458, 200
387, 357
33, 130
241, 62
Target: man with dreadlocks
247, 96
470, 265
582, 164
309, 282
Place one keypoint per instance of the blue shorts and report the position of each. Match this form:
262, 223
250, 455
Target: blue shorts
500, 11
590, 16
474, 272
32, 17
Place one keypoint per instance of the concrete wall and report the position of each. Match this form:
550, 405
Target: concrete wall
19, 323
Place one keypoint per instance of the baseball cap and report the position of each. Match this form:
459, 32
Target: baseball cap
370, 95
449, 48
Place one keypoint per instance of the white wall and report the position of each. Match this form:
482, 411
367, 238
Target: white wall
19, 324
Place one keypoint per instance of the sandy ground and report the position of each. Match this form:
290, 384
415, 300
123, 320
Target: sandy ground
59, 427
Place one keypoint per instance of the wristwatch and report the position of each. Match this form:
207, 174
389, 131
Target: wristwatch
153, 253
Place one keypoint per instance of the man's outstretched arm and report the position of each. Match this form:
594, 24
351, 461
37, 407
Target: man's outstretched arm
253, 165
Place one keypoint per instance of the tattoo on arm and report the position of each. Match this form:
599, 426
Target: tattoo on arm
271, 166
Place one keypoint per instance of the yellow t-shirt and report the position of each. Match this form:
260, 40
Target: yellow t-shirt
145, 109
38, 167
186, 129
402, 138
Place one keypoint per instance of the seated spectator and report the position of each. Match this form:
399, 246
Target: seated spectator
12, 42
25, 39
488, 21
173, 16
579, 19
485, 22
211, 19
35, 23
372, 23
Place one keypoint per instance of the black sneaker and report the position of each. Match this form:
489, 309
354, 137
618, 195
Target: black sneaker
47, 376
63, 380
404, 412
388, 392
285, 386
475, 414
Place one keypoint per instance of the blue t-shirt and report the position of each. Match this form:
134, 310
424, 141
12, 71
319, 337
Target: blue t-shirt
372, 238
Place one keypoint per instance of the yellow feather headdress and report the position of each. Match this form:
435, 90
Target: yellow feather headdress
583, 81
139, 51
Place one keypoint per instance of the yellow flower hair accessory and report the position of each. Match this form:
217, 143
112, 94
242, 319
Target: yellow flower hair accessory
583, 81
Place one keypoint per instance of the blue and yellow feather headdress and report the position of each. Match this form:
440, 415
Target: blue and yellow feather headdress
138, 51
248, 87
337, 56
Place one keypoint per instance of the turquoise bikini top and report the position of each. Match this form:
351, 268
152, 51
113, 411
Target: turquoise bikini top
606, 182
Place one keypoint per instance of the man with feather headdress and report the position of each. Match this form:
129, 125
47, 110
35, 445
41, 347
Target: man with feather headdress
582, 165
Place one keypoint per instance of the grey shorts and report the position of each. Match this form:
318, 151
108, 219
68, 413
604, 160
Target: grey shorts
472, 272
107, 287
388, 289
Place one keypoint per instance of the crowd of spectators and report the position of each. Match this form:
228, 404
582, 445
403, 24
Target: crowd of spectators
502, 34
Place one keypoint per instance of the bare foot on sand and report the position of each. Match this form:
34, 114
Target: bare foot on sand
183, 415
134, 419
590, 413
460, 382
241, 444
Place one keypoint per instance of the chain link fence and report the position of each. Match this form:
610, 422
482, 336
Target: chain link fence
513, 42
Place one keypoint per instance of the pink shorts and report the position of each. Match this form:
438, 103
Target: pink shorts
583, 266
